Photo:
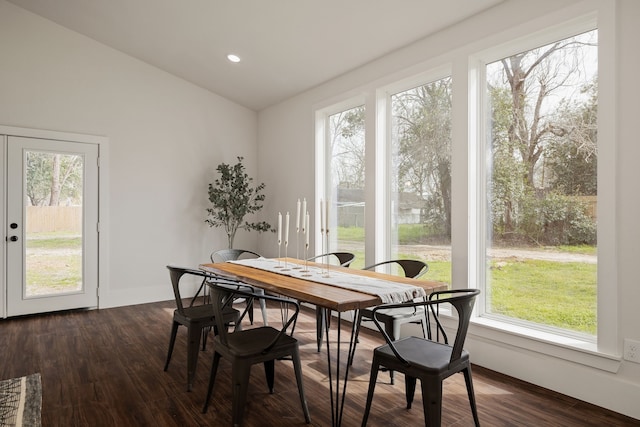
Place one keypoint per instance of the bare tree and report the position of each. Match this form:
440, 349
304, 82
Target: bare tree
62, 169
51, 176
534, 77
348, 148
534, 95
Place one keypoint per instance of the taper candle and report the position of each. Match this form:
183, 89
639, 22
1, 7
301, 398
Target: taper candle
298, 216
307, 228
279, 228
321, 216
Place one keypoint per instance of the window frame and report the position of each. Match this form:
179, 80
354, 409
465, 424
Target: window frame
606, 341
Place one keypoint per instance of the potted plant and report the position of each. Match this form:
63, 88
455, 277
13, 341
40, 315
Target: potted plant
233, 197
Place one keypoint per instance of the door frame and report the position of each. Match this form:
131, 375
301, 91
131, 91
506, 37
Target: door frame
103, 191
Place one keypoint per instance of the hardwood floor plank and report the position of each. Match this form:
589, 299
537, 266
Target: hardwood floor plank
105, 368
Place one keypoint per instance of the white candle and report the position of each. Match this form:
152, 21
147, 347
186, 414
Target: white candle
286, 230
298, 216
304, 212
307, 228
279, 228
321, 216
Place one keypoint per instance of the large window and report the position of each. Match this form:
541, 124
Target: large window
420, 176
541, 185
345, 181
489, 164
413, 173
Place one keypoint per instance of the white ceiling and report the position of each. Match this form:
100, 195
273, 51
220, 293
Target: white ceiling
287, 46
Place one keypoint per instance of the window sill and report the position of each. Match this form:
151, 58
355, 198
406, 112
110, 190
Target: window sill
562, 347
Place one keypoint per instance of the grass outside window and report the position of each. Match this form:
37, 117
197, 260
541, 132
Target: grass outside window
553, 293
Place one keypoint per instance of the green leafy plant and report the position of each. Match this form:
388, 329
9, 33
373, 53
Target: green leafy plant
233, 197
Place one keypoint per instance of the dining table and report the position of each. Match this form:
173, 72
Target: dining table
335, 288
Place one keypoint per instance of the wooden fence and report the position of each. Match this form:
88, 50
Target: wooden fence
54, 218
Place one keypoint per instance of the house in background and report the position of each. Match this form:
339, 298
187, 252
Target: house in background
351, 208
165, 136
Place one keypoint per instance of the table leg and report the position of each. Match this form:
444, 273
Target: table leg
337, 402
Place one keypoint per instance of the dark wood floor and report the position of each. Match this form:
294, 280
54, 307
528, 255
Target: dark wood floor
105, 368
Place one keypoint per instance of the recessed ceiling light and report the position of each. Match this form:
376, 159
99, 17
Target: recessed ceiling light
233, 58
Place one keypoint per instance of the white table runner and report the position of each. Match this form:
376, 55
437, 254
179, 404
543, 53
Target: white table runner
387, 290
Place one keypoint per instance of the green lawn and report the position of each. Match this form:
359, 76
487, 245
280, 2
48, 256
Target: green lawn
559, 294
55, 242
53, 263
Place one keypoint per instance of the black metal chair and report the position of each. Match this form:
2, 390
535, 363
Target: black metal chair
394, 319
244, 348
198, 318
323, 315
224, 255
344, 259
428, 360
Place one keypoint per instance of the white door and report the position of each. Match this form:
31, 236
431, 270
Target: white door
51, 225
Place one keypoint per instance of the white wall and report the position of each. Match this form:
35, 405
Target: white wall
286, 137
166, 137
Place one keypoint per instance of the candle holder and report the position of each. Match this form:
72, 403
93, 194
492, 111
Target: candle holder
296, 266
324, 251
322, 247
278, 266
305, 271
286, 267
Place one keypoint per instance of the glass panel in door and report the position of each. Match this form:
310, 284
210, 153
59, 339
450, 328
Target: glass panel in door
53, 223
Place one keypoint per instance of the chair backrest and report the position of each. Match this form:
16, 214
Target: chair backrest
176, 274
344, 258
462, 301
220, 299
225, 255
411, 267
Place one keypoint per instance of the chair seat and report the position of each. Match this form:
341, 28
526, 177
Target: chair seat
251, 342
395, 314
197, 312
203, 314
424, 355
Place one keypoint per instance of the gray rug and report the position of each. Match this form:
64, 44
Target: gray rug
21, 401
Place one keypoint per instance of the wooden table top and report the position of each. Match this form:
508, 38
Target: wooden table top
320, 294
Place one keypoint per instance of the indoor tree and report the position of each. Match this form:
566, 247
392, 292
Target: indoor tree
233, 197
